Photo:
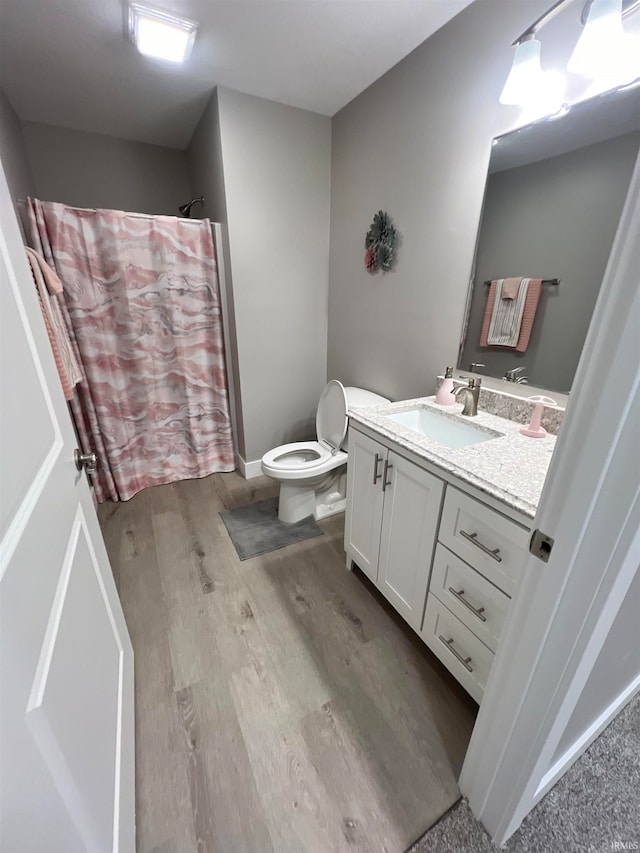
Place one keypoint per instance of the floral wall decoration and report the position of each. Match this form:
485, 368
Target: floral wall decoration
380, 244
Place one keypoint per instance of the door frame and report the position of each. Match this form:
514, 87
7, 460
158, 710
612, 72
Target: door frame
563, 610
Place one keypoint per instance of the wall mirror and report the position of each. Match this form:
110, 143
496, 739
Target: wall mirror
554, 195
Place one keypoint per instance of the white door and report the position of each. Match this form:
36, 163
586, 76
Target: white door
66, 663
412, 500
365, 499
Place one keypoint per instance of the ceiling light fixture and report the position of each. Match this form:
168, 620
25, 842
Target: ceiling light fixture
604, 51
160, 35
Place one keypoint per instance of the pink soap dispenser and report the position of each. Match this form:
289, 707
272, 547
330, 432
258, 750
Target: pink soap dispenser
533, 428
444, 394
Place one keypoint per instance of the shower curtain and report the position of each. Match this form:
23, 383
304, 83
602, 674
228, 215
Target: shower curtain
141, 304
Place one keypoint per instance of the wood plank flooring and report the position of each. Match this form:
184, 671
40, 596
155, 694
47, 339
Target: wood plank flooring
281, 704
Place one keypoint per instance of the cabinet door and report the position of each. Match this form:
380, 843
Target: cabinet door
364, 502
412, 501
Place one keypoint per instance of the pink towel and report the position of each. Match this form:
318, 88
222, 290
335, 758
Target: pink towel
49, 288
510, 287
530, 308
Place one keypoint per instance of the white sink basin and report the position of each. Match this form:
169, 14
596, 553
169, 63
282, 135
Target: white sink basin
445, 430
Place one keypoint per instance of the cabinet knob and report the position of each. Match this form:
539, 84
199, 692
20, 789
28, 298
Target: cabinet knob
376, 475
449, 644
494, 553
385, 482
477, 611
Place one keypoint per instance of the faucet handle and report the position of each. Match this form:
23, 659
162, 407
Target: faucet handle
475, 364
474, 382
512, 375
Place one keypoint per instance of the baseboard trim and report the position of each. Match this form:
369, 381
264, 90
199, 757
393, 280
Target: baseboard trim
249, 470
586, 739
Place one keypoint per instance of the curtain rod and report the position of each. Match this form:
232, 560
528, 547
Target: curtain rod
126, 212
553, 281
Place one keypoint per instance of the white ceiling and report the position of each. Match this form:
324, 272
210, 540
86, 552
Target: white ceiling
67, 62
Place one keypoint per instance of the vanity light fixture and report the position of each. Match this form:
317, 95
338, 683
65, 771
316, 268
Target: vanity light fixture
604, 51
160, 35
528, 83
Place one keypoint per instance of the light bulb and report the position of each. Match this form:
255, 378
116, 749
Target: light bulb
604, 51
524, 75
528, 85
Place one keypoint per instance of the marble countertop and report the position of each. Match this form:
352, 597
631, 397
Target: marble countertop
511, 467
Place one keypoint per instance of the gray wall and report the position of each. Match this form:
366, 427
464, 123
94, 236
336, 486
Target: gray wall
552, 219
13, 154
276, 162
92, 170
204, 161
417, 144
618, 664
204, 157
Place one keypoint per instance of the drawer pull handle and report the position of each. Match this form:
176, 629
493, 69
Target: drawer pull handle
376, 476
449, 644
473, 537
459, 594
385, 482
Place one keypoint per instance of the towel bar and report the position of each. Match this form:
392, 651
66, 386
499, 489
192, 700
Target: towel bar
553, 281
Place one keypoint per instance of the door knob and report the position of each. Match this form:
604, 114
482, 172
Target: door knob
88, 461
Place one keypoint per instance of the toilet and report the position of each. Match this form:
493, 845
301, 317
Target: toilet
313, 474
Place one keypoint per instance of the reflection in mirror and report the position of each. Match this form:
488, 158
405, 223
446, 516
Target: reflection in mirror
554, 196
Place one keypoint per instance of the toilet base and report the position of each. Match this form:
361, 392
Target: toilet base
298, 501
331, 506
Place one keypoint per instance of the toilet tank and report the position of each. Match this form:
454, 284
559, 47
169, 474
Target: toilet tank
359, 398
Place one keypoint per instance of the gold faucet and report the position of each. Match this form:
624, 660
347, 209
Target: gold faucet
471, 394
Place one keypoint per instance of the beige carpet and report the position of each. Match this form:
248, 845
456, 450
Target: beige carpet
595, 807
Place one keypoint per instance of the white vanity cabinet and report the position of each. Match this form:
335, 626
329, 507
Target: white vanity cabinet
478, 561
391, 523
447, 561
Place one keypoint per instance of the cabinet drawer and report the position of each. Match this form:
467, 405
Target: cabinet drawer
468, 659
495, 546
476, 602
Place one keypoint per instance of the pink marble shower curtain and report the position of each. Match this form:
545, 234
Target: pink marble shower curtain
143, 312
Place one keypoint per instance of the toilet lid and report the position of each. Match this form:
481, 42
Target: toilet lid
331, 417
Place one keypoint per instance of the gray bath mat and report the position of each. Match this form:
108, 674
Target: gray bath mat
256, 529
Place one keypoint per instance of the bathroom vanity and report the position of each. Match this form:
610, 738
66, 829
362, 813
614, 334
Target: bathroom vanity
439, 513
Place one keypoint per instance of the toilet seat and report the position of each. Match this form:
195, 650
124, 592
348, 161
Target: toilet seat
313, 474
331, 415
301, 459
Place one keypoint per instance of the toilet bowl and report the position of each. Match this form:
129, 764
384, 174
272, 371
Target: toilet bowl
313, 474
